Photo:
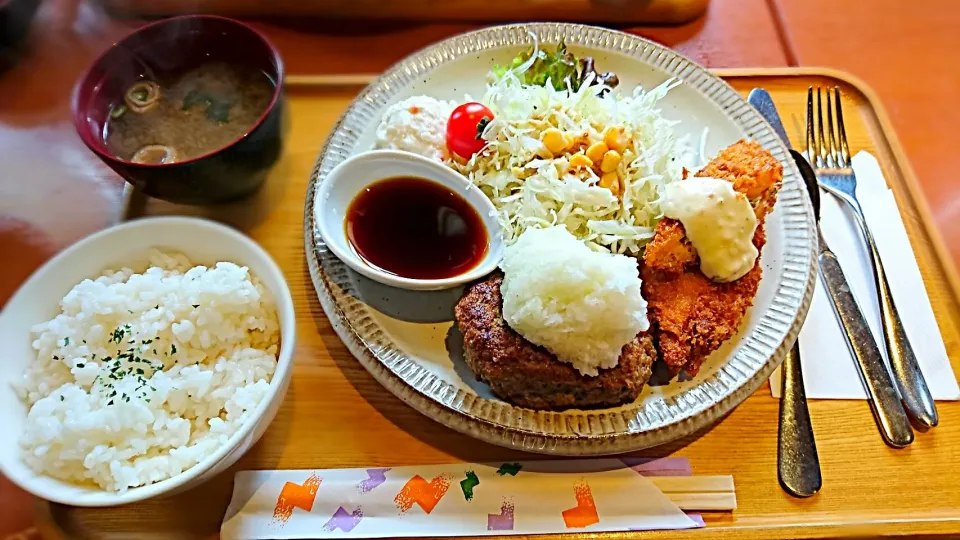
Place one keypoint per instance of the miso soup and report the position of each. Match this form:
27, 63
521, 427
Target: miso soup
186, 116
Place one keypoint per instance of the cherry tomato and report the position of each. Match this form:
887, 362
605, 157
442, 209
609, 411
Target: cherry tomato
464, 128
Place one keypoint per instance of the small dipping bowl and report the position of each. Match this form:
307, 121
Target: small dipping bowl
172, 47
348, 179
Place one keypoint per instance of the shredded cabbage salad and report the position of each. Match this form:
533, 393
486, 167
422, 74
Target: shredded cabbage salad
532, 187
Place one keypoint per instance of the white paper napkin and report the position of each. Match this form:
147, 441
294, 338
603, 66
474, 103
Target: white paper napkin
829, 370
569, 496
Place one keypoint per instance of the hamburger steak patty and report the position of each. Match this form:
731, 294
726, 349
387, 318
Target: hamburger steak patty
530, 376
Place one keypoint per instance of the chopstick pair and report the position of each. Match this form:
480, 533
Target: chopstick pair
698, 492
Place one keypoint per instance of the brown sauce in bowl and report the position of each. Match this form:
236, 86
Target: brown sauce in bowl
416, 228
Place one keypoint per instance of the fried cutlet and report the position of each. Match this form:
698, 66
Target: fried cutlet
530, 376
691, 314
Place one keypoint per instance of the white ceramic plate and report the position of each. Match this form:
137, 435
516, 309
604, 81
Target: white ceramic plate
409, 341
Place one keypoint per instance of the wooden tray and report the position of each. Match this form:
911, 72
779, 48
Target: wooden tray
869, 488
597, 11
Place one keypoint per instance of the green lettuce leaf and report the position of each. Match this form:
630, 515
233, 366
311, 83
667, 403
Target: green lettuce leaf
558, 67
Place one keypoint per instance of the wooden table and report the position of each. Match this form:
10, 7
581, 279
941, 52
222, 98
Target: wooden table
53, 191
908, 54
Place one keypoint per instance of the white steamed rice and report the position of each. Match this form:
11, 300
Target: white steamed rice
144, 373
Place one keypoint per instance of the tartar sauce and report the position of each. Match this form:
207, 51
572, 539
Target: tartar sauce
719, 222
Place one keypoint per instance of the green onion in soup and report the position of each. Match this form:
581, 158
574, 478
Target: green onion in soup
155, 154
142, 96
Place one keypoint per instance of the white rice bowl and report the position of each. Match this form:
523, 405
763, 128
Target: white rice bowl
145, 372
232, 396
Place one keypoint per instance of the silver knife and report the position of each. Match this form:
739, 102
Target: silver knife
798, 465
883, 397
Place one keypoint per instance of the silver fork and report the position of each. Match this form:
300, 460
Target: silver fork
831, 159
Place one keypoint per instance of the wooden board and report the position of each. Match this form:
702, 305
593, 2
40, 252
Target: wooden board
336, 415
584, 11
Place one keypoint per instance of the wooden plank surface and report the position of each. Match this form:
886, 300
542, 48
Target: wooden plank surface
908, 53
731, 33
336, 415
490, 11
55, 191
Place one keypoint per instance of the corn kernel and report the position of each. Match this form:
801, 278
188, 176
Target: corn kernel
610, 181
580, 160
544, 152
596, 151
522, 173
554, 140
615, 139
611, 160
